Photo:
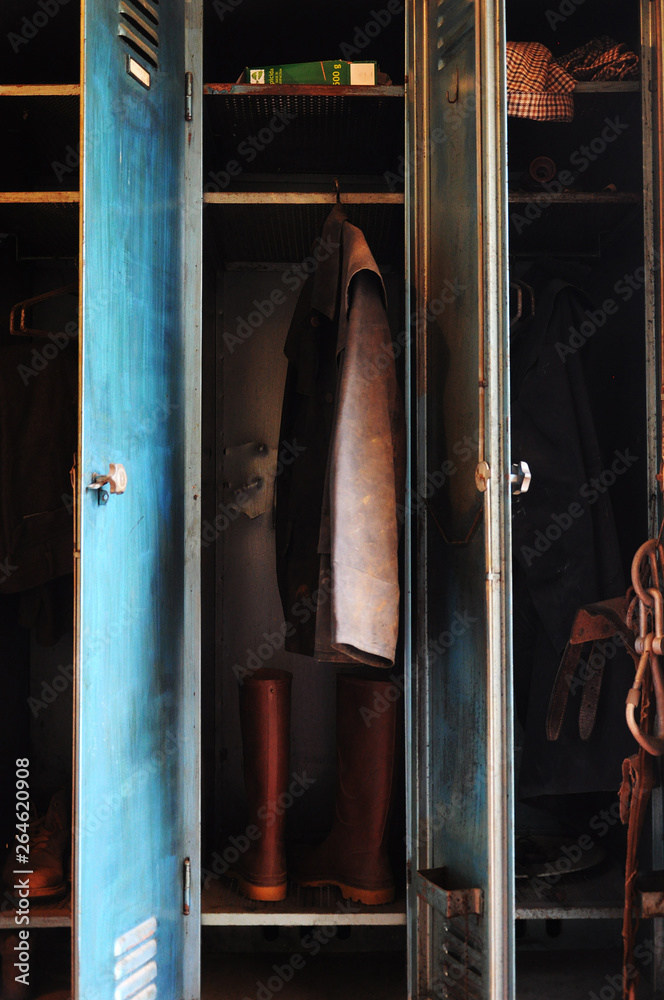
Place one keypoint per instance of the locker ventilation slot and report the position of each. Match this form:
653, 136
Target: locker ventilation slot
453, 32
138, 30
459, 973
135, 967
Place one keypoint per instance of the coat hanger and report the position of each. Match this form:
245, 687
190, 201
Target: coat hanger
519, 287
531, 292
519, 303
21, 308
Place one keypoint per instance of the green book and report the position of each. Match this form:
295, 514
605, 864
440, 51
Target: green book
336, 72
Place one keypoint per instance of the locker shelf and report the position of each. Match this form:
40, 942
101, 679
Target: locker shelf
54, 914
286, 233
39, 197
294, 129
222, 904
596, 893
300, 90
576, 197
302, 198
607, 87
40, 89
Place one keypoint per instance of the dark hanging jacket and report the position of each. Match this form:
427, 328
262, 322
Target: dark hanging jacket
565, 545
38, 432
337, 526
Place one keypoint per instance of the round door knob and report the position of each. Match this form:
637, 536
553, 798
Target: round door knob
117, 478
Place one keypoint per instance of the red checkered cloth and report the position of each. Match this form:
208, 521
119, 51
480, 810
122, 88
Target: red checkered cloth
537, 87
601, 59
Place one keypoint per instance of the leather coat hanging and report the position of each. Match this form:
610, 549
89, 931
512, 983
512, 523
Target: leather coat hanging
337, 503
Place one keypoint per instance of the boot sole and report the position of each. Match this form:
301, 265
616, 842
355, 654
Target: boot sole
370, 897
260, 893
49, 893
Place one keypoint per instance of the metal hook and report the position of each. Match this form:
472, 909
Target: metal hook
531, 290
652, 743
336, 190
519, 299
456, 92
649, 645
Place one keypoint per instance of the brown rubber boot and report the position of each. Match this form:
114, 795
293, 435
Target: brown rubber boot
353, 856
265, 723
49, 841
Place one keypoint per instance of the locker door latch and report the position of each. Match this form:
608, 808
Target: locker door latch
520, 478
186, 887
188, 96
116, 480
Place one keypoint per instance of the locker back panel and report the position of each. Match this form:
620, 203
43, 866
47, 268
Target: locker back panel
251, 376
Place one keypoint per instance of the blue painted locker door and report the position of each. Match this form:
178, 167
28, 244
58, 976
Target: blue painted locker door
461, 900
136, 740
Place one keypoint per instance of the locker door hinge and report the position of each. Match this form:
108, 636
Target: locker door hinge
188, 96
186, 887
409, 873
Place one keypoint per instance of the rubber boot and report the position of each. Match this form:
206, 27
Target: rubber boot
353, 856
50, 840
265, 723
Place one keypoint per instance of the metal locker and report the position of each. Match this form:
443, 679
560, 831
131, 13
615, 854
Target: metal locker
135, 906
136, 909
460, 796
462, 905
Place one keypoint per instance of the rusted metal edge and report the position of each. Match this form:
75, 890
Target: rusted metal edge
650, 904
40, 90
300, 90
430, 885
39, 197
302, 198
576, 197
607, 87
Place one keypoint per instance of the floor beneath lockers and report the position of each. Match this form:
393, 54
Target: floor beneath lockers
256, 963
556, 975
556, 960
591, 975
324, 977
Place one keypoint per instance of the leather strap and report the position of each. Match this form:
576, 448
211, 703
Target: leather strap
591, 623
590, 698
638, 780
602, 620
561, 689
